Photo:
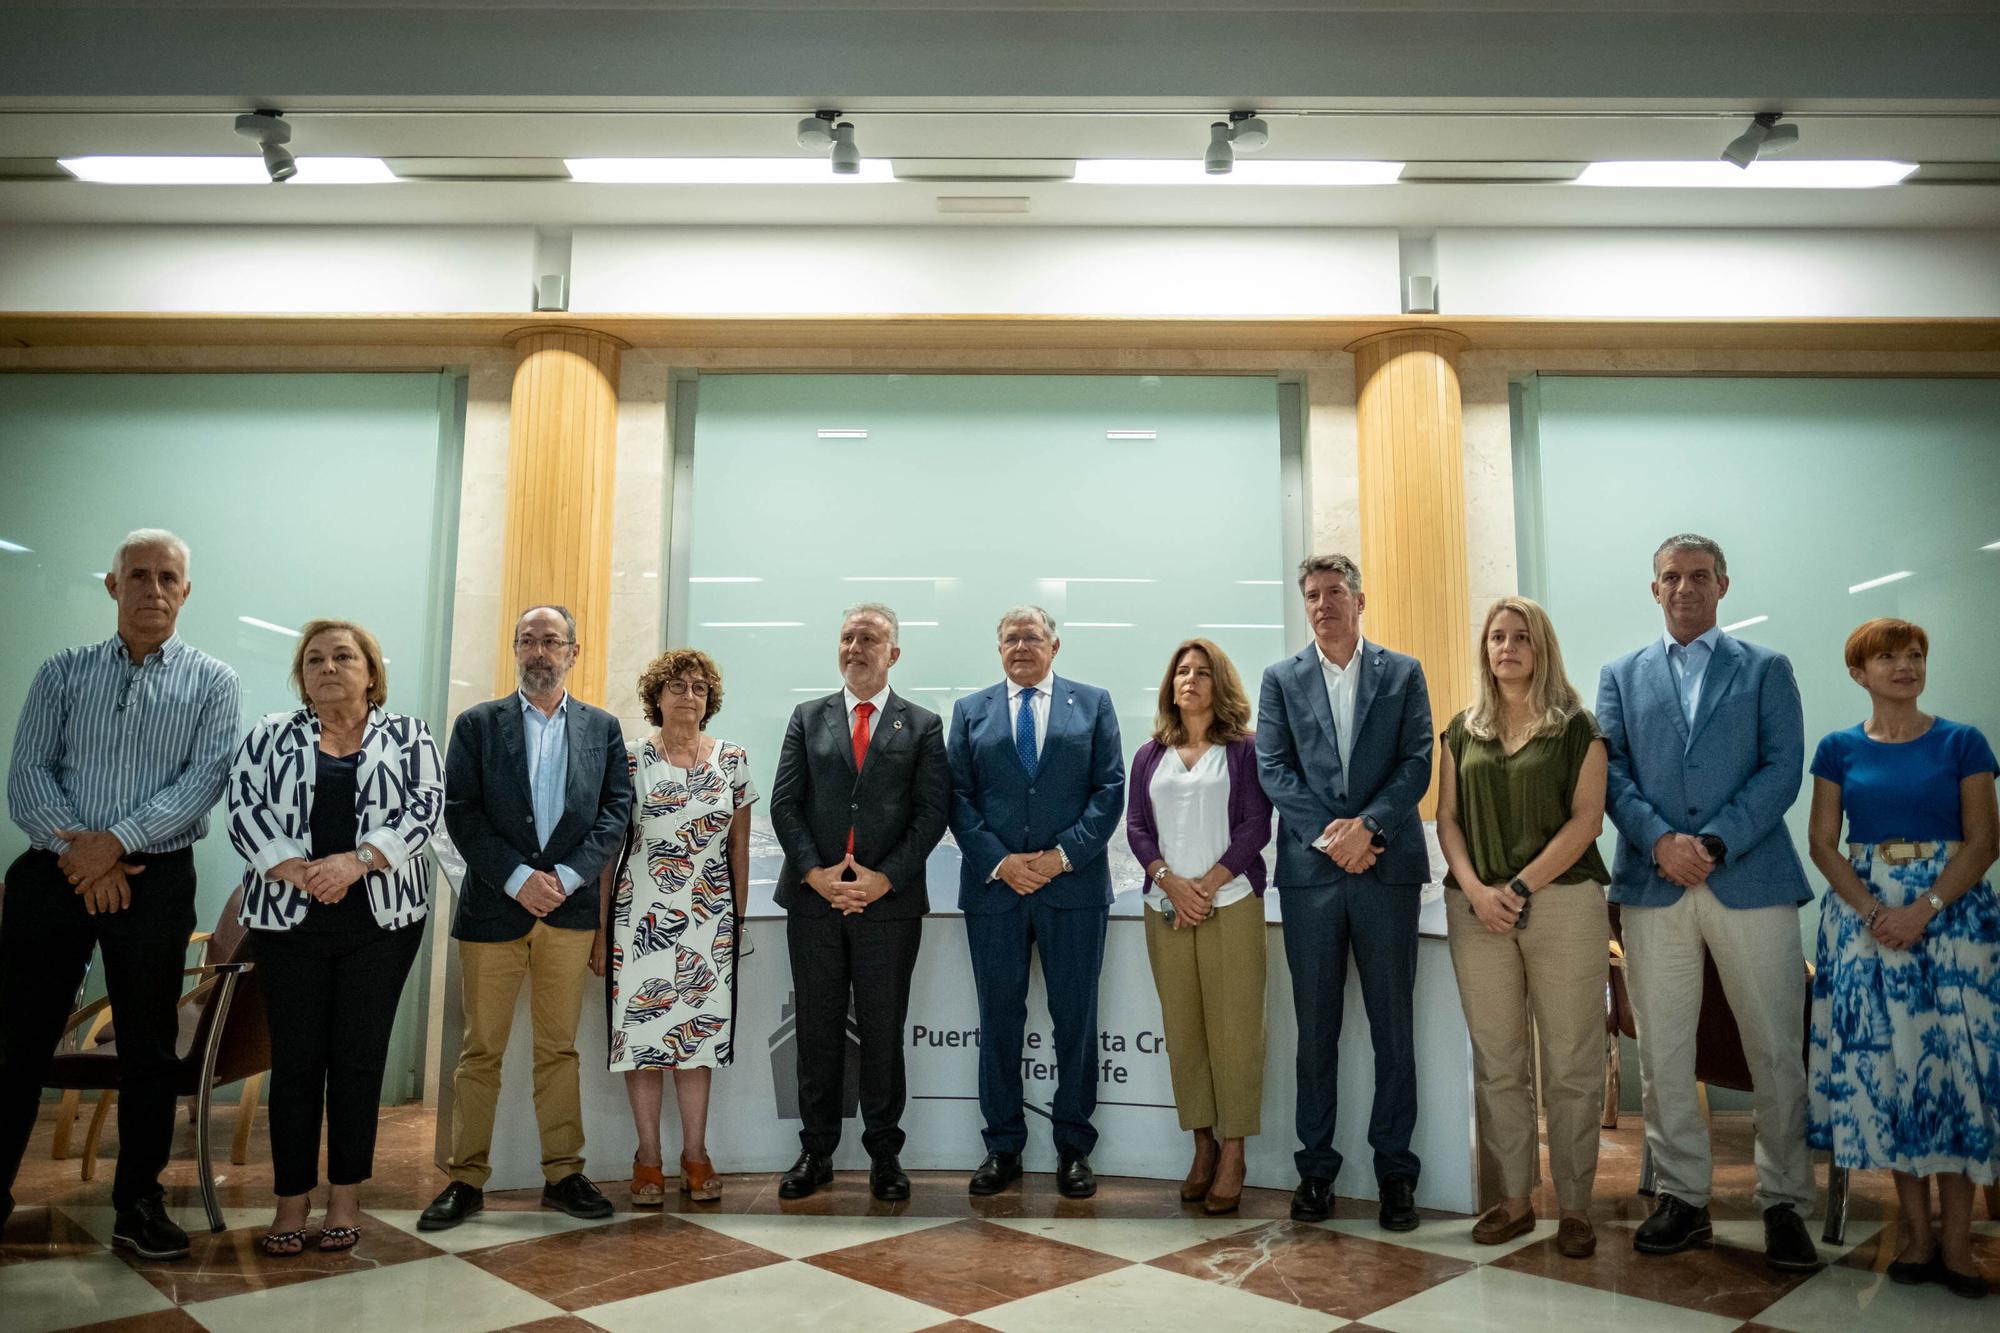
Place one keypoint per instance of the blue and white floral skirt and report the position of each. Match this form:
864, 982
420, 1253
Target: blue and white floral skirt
1905, 1060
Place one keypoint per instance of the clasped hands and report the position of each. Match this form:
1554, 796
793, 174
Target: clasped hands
1901, 927
325, 879
1682, 859
1027, 872
1193, 899
96, 868
848, 896
1350, 844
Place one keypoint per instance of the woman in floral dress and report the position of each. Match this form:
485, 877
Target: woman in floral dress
668, 931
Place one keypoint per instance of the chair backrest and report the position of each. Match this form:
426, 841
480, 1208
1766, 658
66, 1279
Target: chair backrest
246, 1036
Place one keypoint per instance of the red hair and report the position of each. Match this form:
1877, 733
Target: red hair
1884, 635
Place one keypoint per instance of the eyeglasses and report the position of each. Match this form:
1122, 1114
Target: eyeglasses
547, 643
696, 687
1023, 641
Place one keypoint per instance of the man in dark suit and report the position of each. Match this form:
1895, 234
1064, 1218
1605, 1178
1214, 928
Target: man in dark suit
859, 802
537, 796
1344, 752
1038, 785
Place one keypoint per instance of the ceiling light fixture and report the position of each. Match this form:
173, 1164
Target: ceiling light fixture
126, 170
1131, 435
846, 158
719, 171
268, 130
1244, 131
816, 131
1876, 583
1857, 174
1765, 135
1744, 624
841, 433
1180, 171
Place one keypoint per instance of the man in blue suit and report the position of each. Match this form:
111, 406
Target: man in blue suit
1038, 785
1344, 753
1707, 748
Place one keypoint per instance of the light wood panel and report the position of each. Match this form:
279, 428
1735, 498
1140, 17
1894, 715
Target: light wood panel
562, 439
1410, 456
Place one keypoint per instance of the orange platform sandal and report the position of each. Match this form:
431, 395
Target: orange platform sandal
649, 1184
699, 1181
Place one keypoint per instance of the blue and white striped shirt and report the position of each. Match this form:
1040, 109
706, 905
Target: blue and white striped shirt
142, 751
547, 739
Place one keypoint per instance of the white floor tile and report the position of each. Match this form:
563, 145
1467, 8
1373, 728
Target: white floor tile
1136, 1239
62, 1293
1451, 1239
501, 1226
778, 1296
1854, 1301
98, 1219
444, 1293
1145, 1297
1498, 1299
801, 1237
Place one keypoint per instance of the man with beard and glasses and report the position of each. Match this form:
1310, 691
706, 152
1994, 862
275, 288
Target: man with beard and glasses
537, 798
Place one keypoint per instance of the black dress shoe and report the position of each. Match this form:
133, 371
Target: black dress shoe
575, 1195
457, 1202
1312, 1200
147, 1231
1972, 1286
886, 1179
812, 1170
1673, 1227
1399, 1204
995, 1173
1074, 1178
1786, 1244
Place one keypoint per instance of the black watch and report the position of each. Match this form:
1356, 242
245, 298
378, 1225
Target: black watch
1376, 838
1517, 888
1717, 850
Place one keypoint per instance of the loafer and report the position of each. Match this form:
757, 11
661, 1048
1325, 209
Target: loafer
995, 1173
1312, 1201
1575, 1238
1918, 1273
1673, 1227
1074, 1178
457, 1202
887, 1180
147, 1231
1399, 1204
575, 1195
1496, 1228
1972, 1286
1786, 1245
806, 1175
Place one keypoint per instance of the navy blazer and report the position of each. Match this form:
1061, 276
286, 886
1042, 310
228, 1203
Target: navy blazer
491, 816
1389, 772
1073, 801
1734, 773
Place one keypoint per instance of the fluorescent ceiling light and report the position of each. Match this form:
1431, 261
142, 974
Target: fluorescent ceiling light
1097, 580
841, 433
1760, 175
16, 548
1226, 624
727, 578
1876, 583
252, 621
723, 171
753, 624
1991, 546
1131, 435
813, 689
898, 578
1258, 583
1098, 624
224, 170
1744, 624
1189, 171
913, 624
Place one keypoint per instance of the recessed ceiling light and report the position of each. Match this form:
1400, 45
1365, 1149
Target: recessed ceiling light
1847, 175
727, 578
753, 624
841, 433
1236, 624
1876, 583
224, 170
1098, 624
1092, 579
1131, 435
1189, 171
723, 171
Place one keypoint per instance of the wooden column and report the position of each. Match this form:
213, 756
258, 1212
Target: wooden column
562, 440
1409, 443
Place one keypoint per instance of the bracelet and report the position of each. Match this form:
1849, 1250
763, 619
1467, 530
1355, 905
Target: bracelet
1872, 915
1161, 873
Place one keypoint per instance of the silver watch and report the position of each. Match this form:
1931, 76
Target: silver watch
366, 855
1937, 903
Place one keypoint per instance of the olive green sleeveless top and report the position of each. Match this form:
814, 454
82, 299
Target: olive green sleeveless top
1509, 806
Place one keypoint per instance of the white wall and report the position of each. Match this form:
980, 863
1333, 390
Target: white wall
1656, 273
1038, 271
426, 270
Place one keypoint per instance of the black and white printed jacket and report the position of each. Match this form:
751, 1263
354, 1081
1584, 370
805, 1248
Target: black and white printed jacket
399, 798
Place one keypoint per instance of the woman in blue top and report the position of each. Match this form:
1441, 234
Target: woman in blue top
1906, 1001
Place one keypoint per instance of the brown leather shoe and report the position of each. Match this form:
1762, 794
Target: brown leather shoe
1575, 1238
1495, 1227
1201, 1174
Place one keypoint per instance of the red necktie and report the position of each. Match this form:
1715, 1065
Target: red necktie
861, 714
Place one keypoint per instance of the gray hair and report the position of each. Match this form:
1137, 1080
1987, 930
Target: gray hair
1330, 564
1692, 541
139, 538
1025, 612
875, 609
569, 621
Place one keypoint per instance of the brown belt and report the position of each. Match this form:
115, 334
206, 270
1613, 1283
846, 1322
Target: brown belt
1902, 853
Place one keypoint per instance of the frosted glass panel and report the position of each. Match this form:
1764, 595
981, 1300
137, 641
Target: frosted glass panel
968, 495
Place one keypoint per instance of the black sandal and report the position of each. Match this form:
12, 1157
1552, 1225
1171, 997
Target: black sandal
332, 1240
273, 1243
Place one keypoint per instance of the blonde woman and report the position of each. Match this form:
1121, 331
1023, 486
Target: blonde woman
1520, 805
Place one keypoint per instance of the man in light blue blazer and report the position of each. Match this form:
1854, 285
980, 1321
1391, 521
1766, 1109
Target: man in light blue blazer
1707, 750
1344, 753
1038, 785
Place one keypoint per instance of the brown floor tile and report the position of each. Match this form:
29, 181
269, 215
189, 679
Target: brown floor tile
966, 1266
562, 1323
1314, 1268
1717, 1279
159, 1321
958, 1326
229, 1263
44, 1233
1876, 1253
595, 1265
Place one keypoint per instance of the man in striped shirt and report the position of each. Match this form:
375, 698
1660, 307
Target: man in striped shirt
122, 750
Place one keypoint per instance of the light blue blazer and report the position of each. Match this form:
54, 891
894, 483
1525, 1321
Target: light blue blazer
1733, 773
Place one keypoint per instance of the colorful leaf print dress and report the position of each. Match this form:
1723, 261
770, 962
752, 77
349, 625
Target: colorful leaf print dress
672, 966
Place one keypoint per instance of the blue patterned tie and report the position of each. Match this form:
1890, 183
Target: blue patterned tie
1024, 732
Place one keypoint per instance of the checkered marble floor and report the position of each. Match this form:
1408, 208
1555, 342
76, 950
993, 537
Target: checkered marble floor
1026, 1260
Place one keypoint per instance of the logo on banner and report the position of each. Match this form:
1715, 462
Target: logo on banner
784, 1047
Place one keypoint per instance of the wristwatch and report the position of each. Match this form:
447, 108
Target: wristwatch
1063, 856
1376, 838
1717, 850
1517, 888
1161, 873
1937, 903
367, 856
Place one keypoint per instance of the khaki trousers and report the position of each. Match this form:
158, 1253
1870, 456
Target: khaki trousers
1548, 975
556, 964
1211, 984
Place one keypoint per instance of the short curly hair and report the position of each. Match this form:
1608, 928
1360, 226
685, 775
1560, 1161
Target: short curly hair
671, 665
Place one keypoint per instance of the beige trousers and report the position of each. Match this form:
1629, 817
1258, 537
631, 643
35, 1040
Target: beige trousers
556, 965
1211, 984
1542, 984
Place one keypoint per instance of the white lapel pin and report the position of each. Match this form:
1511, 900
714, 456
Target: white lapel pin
1071, 699
898, 725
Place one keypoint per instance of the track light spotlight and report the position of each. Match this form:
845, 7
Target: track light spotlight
846, 157
1765, 135
816, 130
271, 132
1247, 131
1220, 159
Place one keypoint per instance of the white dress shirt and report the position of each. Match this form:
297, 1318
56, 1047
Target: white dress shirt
1342, 685
1044, 694
881, 701
1191, 816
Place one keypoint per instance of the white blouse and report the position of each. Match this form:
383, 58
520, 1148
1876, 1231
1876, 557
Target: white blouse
1191, 815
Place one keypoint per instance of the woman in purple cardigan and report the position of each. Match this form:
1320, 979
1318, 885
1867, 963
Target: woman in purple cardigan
1198, 820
